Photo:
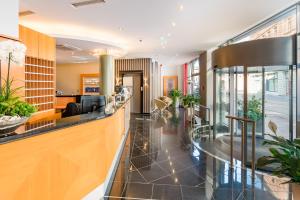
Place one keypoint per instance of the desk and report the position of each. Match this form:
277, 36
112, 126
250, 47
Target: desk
66, 161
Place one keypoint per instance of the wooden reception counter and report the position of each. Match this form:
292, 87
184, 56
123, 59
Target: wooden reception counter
72, 159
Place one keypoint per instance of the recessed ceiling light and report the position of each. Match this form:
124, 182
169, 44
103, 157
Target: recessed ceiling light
121, 29
180, 7
169, 34
163, 47
173, 24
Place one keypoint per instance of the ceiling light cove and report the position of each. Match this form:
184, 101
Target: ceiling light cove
78, 32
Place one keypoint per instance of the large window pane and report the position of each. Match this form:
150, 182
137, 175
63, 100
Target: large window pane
255, 112
277, 99
284, 25
222, 101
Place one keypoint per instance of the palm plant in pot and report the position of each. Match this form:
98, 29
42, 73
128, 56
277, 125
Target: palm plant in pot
285, 155
13, 111
175, 96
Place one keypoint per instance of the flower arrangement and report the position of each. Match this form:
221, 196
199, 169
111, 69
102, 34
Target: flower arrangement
12, 109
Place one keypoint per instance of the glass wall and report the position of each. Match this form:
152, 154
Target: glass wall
284, 24
270, 91
222, 101
194, 77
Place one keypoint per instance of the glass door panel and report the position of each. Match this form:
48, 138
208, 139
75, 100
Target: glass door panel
239, 96
222, 101
254, 97
277, 98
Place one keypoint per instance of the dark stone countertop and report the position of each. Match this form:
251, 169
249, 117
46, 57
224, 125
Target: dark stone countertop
53, 124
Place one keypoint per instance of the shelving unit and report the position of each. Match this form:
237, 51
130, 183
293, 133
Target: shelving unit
90, 84
39, 83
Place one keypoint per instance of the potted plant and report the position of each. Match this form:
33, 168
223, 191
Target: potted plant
285, 154
188, 102
13, 111
175, 96
254, 112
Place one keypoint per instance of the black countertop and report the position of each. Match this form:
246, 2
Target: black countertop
53, 124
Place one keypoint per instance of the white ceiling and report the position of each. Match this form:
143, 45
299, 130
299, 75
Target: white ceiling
138, 26
82, 51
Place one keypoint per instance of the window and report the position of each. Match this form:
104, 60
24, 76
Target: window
271, 82
194, 77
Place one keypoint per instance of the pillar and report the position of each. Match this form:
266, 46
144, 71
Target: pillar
107, 75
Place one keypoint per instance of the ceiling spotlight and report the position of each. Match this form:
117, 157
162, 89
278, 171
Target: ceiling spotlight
121, 29
169, 35
180, 7
163, 47
162, 38
173, 24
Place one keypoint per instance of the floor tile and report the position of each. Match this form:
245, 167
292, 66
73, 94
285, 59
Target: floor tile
196, 193
153, 172
137, 190
164, 164
167, 192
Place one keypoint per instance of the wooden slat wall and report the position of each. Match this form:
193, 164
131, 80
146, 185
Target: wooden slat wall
140, 64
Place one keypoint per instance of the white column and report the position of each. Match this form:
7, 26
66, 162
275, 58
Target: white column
107, 75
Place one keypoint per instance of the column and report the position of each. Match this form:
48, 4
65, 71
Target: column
107, 75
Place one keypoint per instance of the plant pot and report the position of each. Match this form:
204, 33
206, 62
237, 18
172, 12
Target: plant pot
9, 124
296, 190
189, 112
175, 102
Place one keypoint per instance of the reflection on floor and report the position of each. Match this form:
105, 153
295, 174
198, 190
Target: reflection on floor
159, 162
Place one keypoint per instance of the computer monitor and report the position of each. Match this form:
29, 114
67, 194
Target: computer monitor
92, 103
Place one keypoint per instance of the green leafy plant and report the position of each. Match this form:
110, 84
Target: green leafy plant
190, 100
10, 102
285, 154
255, 109
175, 96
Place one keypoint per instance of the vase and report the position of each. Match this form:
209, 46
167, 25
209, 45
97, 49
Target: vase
175, 102
296, 190
10, 124
190, 113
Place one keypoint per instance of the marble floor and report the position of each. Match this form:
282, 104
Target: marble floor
159, 161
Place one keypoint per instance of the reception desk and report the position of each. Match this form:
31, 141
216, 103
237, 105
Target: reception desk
72, 159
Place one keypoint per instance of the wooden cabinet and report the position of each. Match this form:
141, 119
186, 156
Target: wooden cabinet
38, 45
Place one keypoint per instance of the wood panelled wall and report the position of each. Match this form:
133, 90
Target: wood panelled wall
39, 68
140, 64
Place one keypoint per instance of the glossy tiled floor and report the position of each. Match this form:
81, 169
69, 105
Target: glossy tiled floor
159, 162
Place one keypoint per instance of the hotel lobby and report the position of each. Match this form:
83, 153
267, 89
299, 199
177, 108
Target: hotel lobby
158, 100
